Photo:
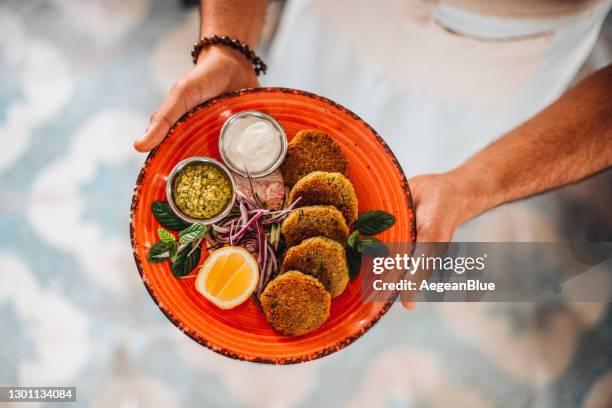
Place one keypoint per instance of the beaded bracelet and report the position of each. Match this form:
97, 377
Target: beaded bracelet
258, 65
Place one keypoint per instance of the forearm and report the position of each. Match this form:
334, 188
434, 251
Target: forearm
240, 19
219, 69
566, 142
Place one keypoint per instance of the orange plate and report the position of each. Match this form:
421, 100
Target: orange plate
243, 332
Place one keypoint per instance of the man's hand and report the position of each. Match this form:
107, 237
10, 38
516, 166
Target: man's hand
566, 142
440, 207
218, 70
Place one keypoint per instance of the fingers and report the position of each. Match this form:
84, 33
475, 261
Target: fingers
179, 101
433, 226
220, 72
409, 305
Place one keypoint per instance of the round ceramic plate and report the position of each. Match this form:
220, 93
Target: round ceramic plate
243, 332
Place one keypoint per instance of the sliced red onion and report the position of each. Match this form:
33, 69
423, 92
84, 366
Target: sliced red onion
248, 225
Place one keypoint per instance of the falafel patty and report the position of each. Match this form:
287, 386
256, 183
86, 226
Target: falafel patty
295, 303
321, 187
311, 150
312, 221
322, 258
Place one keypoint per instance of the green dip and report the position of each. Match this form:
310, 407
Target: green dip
201, 191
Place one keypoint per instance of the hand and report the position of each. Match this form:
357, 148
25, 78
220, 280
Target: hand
218, 70
440, 205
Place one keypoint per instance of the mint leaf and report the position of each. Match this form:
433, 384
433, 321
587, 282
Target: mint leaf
173, 250
352, 239
185, 261
165, 236
374, 222
192, 233
155, 252
372, 246
164, 215
353, 259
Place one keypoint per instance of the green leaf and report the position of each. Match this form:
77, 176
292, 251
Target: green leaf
372, 247
165, 236
158, 248
173, 250
184, 262
164, 215
353, 259
192, 233
352, 239
374, 222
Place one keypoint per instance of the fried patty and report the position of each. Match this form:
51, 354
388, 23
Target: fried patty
312, 221
322, 258
295, 303
320, 187
312, 150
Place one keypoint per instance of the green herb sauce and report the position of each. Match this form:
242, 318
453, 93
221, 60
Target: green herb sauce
201, 191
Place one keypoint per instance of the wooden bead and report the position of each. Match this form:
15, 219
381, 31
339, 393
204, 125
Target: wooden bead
258, 65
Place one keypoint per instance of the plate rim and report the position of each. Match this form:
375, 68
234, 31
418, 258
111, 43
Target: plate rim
342, 343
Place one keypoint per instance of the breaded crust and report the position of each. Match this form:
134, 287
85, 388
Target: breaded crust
320, 187
312, 221
322, 258
295, 303
312, 150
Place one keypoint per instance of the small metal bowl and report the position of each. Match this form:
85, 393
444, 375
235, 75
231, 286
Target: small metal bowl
199, 160
281, 133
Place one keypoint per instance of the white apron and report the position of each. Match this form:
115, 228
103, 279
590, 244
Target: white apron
437, 79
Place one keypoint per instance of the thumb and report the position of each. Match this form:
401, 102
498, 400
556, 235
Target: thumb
179, 101
427, 249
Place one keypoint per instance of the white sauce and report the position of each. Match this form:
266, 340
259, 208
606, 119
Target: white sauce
252, 143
